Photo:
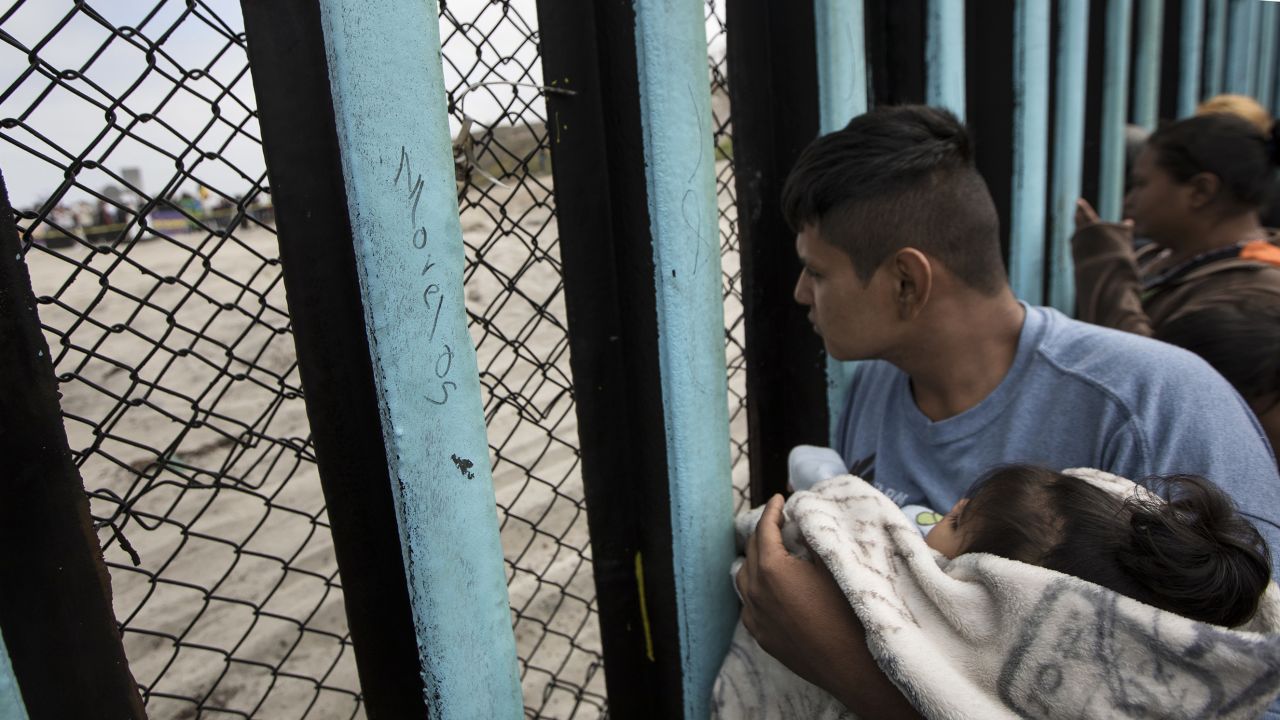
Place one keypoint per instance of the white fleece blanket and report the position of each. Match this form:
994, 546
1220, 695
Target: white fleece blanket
985, 637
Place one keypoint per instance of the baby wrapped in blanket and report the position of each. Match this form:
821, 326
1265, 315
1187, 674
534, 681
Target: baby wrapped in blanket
1043, 594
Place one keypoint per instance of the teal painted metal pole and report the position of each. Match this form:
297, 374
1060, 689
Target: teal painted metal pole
11, 705
397, 161
675, 108
1191, 47
1268, 53
1242, 47
1274, 12
1216, 48
1115, 94
842, 96
1068, 149
1275, 85
944, 54
842, 62
1030, 148
1146, 76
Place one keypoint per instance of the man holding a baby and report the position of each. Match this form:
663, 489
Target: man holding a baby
902, 269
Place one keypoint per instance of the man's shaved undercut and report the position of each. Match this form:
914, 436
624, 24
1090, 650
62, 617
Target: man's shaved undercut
894, 178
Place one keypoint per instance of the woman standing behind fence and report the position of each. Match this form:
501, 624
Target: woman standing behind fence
1196, 191
1251, 110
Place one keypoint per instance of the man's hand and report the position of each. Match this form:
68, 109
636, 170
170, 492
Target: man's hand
791, 606
799, 615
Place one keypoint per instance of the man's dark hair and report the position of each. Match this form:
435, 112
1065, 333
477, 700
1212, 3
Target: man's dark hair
1194, 555
899, 177
1221, 144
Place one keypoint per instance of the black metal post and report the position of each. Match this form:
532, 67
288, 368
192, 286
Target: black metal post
295, 109
1172, 63
55, 594
895, 42
607, 253
774, 93
989, 60
1093, 100
1055, 36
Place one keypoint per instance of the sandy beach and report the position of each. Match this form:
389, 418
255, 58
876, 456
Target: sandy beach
183, 363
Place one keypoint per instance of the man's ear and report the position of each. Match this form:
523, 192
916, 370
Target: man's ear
1204, 188
912, 274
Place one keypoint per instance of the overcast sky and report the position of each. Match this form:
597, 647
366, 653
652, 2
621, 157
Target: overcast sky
72, 125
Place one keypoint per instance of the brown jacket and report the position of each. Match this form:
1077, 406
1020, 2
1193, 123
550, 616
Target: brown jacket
1110, 280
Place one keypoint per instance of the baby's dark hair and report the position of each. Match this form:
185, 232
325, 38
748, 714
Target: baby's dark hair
1193, 555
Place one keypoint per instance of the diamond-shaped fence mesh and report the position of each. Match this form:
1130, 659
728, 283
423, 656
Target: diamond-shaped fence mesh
515, 298
515, 301
734, 323
132, 152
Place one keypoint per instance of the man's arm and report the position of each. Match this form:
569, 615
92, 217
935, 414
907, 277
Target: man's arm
1108, 286
798, 614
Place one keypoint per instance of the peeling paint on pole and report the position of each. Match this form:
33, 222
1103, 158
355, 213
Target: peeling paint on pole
1242, 46
1268, 52
1115, 104
842, 62
675, 106
1215, 60
1030, 149
1191, 47
944, 54
1146, 75
389, 106
1068, 144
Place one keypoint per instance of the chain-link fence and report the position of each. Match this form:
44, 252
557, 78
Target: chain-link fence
133, 155
734, 322
132, 152
515, 301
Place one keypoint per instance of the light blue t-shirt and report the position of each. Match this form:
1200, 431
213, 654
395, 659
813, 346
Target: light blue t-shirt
1077, 395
